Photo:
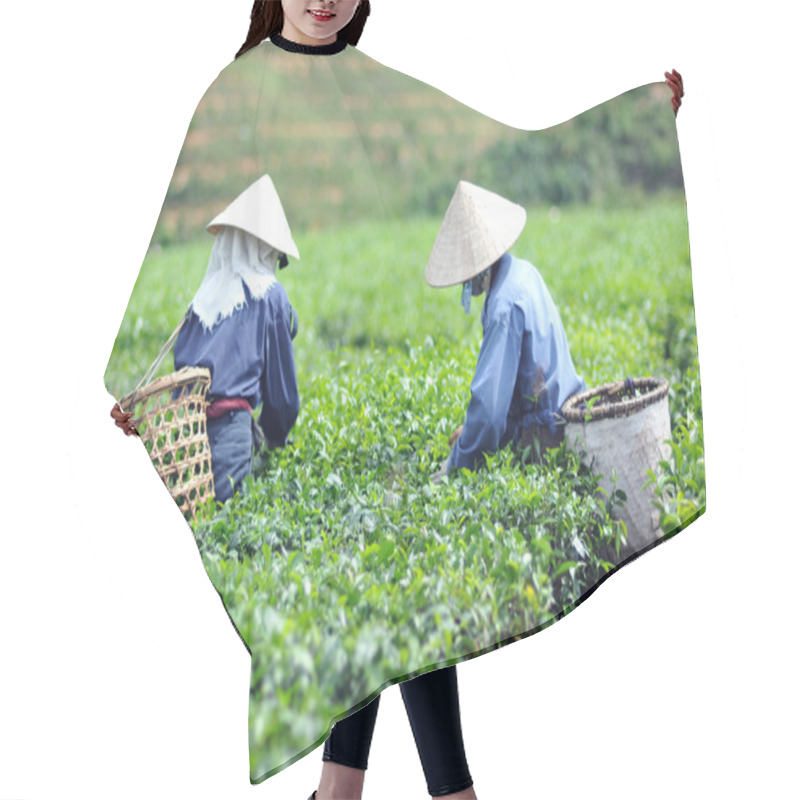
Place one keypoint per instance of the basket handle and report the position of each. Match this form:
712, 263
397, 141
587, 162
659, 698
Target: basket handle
165, 348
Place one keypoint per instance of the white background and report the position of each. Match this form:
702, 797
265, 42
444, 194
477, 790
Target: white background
120, 673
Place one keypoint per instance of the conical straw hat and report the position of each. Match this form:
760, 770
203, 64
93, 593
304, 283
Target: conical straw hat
258, 210
478, 228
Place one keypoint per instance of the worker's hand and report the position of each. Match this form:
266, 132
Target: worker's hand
455, 435
675, 82
124, 420
438, 476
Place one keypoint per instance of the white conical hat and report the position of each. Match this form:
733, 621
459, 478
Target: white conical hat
258, 210
478, 228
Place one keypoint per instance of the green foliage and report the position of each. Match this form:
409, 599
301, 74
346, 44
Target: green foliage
621, 150
680, 483
342, 564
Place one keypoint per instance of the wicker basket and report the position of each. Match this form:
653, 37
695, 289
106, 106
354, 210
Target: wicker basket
623, 428
170, 417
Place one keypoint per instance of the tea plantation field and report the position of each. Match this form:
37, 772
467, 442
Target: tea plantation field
342, 565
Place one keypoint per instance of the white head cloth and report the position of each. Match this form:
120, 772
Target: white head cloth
237, 259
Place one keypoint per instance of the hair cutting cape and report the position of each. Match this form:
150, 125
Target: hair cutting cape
343, 566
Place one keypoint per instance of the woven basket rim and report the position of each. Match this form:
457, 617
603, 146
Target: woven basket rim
165, 382
654, 390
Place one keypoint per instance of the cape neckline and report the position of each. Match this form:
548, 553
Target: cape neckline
307, 49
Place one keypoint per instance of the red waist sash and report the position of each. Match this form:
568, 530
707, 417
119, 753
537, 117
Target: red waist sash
226, 404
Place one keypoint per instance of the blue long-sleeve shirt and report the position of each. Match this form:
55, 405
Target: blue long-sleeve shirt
524, 354
250, 355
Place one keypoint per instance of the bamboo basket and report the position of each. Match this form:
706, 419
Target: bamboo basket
170, 418
624, 433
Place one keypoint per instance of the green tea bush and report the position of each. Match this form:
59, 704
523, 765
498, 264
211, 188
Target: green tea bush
342, 564
679, 484
342, 552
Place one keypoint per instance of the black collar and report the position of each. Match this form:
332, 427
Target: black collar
310, 50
